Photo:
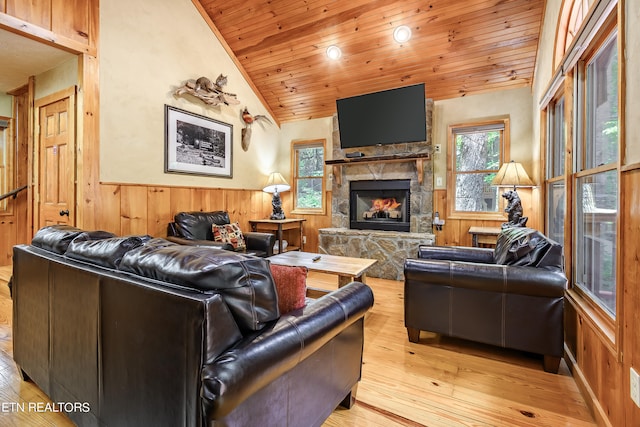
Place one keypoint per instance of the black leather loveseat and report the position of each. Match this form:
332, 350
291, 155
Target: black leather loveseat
510, 297
195, 228
135, 331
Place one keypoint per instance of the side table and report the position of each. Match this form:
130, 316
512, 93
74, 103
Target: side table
293, 227
484, 236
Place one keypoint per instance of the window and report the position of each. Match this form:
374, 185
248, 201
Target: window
571, 17
308, 177
477, 150
556, 210
556, 142
596, 177
557, 139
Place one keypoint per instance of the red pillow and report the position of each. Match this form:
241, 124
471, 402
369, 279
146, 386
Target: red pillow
291, 285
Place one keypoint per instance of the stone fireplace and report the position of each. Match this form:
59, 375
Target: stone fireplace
410, 164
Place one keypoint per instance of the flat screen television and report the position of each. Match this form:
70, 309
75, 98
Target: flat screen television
387, 117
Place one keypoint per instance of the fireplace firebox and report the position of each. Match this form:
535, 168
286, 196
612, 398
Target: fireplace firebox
380, 205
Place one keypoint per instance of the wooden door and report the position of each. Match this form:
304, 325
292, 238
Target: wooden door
57, 162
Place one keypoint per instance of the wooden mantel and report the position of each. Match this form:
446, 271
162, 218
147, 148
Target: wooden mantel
419, 158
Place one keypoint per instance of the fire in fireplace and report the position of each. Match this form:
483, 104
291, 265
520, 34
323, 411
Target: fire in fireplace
380, 205
383, 208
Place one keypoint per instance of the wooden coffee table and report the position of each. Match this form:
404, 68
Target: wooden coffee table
348, 269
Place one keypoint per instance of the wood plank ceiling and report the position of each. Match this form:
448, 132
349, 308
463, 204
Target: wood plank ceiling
458, 47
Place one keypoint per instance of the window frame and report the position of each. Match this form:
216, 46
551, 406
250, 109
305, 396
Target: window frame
608, 321
295, 147
555, 158
553, 145
452, 174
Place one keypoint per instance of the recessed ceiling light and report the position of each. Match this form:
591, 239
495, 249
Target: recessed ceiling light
334, 52
402, 34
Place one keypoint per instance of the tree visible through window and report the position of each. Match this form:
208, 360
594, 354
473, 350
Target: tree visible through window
477, 153
308, 176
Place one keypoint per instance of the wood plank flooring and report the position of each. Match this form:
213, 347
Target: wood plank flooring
438, 382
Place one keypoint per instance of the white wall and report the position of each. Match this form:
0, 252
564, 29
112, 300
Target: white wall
149, 48
6, 105
544, 70
514, 104
59, 78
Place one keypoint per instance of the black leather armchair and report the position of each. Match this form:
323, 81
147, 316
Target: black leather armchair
194, 228
511, 297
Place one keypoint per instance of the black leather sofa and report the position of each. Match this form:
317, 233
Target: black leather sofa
194, 228
135, 331
511, 297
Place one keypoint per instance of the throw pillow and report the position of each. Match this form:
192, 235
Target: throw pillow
229, 233
291, 286
512, 244
519, 246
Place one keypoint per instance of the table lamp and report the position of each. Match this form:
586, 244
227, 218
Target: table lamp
513, 173
276, 184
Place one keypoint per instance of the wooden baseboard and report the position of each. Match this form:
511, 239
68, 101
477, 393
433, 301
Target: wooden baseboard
599, 414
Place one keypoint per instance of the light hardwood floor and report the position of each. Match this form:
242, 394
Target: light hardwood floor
437, 382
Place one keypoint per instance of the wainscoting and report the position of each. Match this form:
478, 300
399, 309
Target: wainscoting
146, 209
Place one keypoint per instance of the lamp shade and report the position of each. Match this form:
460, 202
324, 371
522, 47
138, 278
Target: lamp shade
512, 173
276, 183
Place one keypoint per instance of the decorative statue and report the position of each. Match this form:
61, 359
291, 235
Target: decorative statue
276, 202
513, 210
207, 91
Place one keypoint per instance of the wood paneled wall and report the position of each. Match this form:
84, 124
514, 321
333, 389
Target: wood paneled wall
601, 373
8, 230
141, 209
147, 209
630, 245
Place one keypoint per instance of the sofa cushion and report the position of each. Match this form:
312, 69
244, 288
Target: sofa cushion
229, 233
159, 242
104, 252
197, 225
245, 282
56, 238
520, 246
291, 285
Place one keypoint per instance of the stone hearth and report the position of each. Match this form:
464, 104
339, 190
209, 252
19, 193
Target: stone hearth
390, 248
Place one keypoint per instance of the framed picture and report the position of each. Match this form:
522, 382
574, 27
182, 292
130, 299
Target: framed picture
197, 145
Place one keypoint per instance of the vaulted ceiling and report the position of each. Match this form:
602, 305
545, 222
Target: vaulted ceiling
458, 47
